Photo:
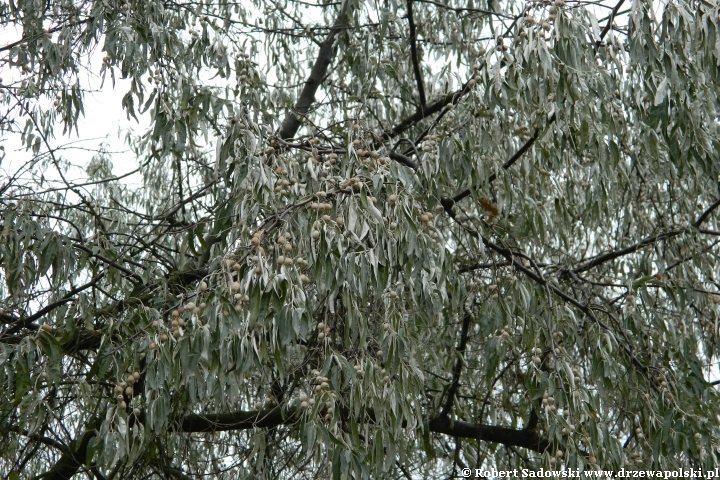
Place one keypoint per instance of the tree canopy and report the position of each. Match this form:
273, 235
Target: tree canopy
362, 239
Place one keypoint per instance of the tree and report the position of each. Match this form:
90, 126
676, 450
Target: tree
384, 240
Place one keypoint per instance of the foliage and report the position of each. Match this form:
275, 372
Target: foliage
383, 240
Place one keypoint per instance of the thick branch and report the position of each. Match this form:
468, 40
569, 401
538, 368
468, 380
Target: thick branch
219, 422
276, 416
503, 435
610, 22
402, 159
414, 55
291, 124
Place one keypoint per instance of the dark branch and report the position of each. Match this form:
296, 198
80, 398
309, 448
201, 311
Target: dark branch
73, 458
607, 257
610, 22
414, 55
706, 214
400, 158
291, 124
458, 365
506, 436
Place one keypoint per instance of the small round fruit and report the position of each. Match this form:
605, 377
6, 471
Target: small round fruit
153, 346
320, 326
281, 240
424, 218
258, 405
393, 198
46, 327
386, 326
235, 286
129, 391
155, 323
122, 405
163, 337
321, 336
136, 375
136, 412
303, 404
315, 234
118, 390
592, 459
203, 286
393, 294
303, 397
130, 379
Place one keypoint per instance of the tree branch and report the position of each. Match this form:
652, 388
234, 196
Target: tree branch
402, 159
73, 458
414, 55
458, 365
27, 322
624, 251
273, 417
706, 214
291, 124
489, 433
511, 161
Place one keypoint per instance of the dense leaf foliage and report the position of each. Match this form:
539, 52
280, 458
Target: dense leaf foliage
363, 239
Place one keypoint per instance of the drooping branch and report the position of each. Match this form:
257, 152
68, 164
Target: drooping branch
291, 124
414, 55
